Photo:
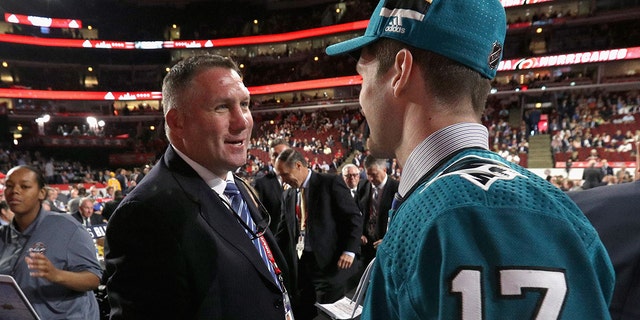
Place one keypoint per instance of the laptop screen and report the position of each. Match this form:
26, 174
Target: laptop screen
14, 305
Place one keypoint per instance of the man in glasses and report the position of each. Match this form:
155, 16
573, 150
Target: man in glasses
351, 177
319, 233
190, 241
270, 186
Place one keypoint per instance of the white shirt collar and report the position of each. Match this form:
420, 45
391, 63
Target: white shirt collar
213, 181
305, 184
383, 183
437, 147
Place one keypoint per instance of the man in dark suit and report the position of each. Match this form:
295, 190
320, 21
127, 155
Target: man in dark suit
85, 214
110, 206
606, 169
319, 233
613, 211
175, 247
351, 177
592, 176
375, 200
269, 187
121, 176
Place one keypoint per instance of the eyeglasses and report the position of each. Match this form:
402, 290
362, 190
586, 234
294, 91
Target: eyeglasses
261, 226
351, 175
265, 220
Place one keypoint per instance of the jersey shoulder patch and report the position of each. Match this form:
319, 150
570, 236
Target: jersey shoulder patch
482, 172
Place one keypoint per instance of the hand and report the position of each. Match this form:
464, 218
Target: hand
41, 267
364, 240
377, 243
345, 261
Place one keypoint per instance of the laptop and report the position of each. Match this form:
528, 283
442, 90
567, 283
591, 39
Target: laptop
14, 305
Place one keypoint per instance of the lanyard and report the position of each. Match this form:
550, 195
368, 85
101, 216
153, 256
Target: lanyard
267, 250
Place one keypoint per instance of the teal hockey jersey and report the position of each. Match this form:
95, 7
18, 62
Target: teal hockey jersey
487, 239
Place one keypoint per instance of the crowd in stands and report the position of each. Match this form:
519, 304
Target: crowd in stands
605, 122
131, 23
326, 138
293, 64
598, 121
512, 143
322, 135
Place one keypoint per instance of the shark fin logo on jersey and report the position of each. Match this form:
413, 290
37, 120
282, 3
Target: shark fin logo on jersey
482, 172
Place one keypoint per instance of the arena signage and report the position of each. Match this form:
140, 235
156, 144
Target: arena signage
42, 21
570, 59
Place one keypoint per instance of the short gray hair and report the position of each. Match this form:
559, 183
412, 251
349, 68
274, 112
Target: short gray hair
346, 167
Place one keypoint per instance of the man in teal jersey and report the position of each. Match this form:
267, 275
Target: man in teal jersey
474, 237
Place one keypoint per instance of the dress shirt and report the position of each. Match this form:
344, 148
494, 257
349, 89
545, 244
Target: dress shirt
437, 147
214, 182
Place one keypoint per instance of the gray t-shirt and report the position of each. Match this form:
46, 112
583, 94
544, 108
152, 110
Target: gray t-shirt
70, 247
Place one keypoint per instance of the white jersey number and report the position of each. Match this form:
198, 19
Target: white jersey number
552, 286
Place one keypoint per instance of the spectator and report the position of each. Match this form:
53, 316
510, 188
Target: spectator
59, 282
270, 187
351, 177
6, 215
85, 214
375, 200
110, 206
592, 176
319, 233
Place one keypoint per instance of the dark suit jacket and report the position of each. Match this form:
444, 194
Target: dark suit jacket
592, 178
386, 198
110, 207
613, 211
175, 251
334, 223
270, 192
93, 219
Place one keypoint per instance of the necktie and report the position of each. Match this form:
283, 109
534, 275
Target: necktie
373, 212
302, 216
397, 201
240, 207
86, 222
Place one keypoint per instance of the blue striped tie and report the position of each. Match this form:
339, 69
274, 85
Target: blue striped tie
240, 207
397, 201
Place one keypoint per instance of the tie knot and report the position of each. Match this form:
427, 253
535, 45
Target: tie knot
231, 189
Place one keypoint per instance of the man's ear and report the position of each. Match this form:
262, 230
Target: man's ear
403, 66
175, 120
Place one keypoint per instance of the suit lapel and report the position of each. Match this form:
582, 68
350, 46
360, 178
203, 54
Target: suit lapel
290, 209
313, 195
214, 211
